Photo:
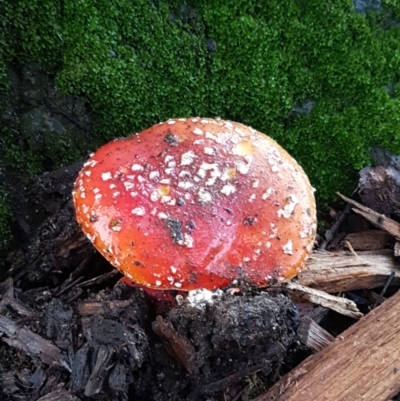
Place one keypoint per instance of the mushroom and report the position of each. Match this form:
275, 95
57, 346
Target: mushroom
197, 203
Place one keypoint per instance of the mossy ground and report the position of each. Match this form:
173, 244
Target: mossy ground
257, 62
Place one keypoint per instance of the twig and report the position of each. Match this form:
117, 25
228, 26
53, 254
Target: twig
377, 219
332, 231
350, 248
67, 287
177, 345
381, 298
99, 279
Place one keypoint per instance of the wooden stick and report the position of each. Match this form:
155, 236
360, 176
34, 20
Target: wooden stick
178, 346
342, 271
330, 234
381, 298
377, 219
361, 364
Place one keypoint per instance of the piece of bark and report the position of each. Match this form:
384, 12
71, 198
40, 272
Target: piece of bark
379, 220
340, 305
342, 271
369, 240
99, 375
17, 305
179, 347
30, 343
379, 187
313, 335
129, 337
361, 364
112, 346
59, 395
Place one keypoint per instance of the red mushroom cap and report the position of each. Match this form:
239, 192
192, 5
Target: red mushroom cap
197, 203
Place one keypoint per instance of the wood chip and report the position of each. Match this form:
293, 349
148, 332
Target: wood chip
313, 335
30, 343
342, 271
16, 305
340, 305
178, 346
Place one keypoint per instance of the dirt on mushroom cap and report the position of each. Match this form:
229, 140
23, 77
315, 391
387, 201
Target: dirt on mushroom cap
197, 203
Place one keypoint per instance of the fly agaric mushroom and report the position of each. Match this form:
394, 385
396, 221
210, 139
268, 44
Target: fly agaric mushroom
197, 203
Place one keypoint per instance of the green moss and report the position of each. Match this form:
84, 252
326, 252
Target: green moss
141, 62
